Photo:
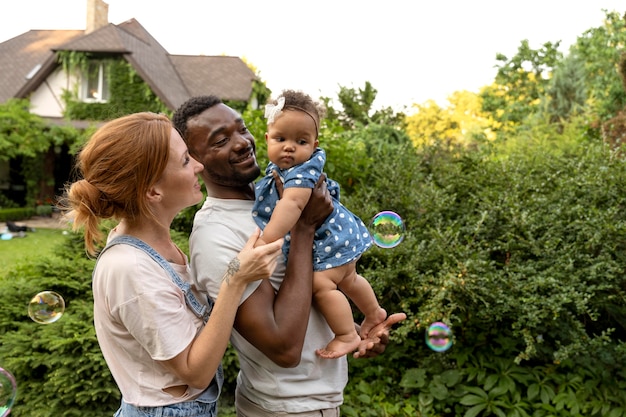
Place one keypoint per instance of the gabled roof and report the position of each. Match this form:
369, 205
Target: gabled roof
223, 76
173, 78
19, 56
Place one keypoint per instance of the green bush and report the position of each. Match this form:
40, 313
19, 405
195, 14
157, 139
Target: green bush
17, 213
58, 366
523, 254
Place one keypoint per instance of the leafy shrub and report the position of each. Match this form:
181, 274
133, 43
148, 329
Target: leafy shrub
58, 366
523, 254
16, 213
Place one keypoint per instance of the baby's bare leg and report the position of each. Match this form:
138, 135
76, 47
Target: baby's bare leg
359, 290
335, 307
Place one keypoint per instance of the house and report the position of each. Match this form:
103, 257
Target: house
33, 66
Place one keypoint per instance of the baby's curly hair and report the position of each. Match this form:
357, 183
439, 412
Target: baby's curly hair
303, 101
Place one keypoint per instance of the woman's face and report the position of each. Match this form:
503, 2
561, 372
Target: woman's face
179, 186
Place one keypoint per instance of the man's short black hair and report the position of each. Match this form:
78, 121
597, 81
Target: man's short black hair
192, 107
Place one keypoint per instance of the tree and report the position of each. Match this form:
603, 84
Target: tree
358, 110
462, 122
520, 83
600, 51
566, 92
20, 131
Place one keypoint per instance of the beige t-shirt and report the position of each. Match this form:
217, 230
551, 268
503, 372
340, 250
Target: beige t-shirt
141, 317
221, 229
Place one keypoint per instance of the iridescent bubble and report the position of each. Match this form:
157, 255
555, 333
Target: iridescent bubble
387, 229
8, 392
439, 337
46, 307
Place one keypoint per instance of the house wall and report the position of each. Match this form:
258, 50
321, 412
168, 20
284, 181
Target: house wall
46, 100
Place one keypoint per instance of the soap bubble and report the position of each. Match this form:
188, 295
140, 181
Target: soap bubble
8, 392
439, 337
387, 229
46, 307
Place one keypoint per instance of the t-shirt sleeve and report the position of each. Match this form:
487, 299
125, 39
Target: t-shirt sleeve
212, 247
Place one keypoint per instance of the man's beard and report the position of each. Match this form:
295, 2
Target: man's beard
236, 179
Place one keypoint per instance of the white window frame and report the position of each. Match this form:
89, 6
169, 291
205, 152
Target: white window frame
94, 85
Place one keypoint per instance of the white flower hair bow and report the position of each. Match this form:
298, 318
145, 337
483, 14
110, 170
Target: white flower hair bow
272, 111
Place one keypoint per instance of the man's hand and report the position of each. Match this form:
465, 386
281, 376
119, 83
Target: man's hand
320, 204
378, 338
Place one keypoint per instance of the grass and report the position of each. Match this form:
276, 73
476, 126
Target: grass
35, 244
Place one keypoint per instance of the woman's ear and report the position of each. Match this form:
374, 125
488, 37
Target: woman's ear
154, 195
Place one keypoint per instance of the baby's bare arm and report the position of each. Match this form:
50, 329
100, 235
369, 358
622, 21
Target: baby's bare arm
286, 213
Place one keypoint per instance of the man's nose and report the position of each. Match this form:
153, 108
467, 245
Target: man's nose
242, 142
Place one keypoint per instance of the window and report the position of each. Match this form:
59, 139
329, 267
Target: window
95, 82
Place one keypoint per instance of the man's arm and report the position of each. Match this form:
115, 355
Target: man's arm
276, 322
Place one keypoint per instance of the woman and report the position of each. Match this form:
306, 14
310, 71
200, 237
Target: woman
149, 322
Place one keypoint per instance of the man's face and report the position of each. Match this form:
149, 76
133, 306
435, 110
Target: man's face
219, 139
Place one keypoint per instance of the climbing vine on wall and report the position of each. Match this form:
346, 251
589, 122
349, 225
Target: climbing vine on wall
129, 93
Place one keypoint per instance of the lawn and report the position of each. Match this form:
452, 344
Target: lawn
35, 244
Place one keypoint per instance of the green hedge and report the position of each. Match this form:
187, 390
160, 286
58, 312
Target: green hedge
14, 214
523, 254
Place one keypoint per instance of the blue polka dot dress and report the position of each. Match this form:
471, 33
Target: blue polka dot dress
341, 239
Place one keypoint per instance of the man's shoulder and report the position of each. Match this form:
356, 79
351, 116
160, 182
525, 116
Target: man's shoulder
219, 218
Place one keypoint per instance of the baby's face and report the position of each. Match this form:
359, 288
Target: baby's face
291, 138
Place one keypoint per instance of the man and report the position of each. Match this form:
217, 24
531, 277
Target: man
276, 329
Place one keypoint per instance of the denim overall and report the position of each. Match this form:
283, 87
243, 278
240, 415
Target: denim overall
206, 404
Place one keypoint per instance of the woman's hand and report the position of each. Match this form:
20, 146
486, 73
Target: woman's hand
254, 263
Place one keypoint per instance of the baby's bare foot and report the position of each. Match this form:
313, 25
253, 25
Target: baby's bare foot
339, 346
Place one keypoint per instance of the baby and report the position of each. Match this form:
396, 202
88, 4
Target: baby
292, 147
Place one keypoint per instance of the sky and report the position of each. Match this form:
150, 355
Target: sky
410, 51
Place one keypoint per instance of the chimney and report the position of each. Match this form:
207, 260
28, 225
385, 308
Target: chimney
97, 15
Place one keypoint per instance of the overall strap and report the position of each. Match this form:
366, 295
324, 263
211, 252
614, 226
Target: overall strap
199, 309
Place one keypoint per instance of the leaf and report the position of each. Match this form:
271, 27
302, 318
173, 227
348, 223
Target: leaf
474, 411
472, 400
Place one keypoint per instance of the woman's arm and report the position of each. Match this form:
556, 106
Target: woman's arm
197, 364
